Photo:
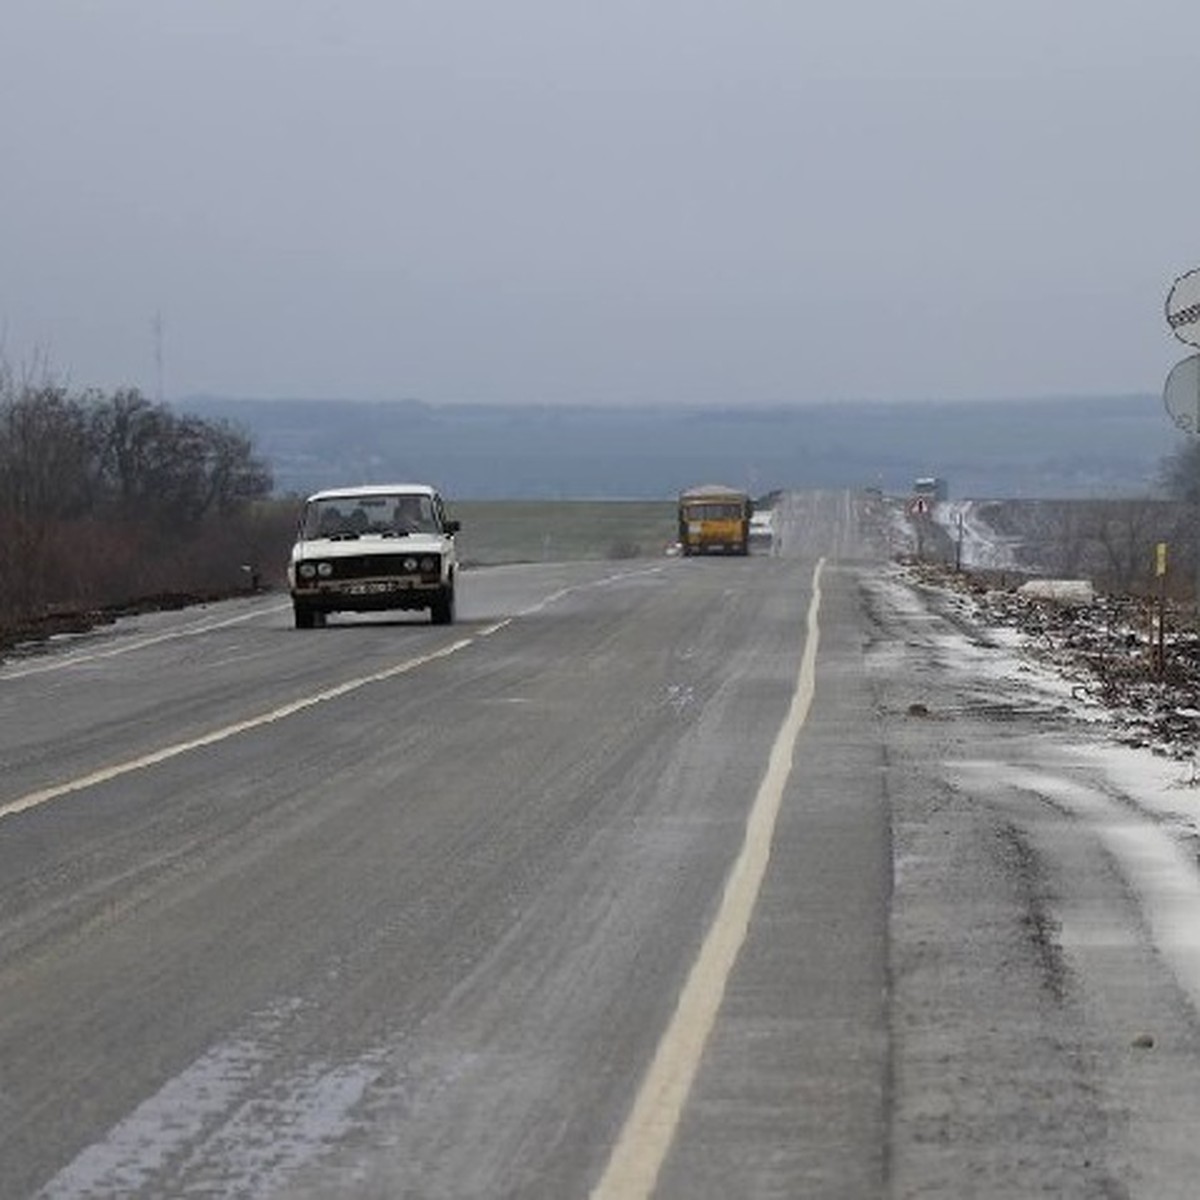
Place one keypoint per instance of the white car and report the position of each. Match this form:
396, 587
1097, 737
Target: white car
762, 527
371, 549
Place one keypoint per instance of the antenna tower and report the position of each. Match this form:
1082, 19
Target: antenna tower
157, 326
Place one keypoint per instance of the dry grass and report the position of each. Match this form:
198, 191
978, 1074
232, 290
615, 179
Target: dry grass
505, 531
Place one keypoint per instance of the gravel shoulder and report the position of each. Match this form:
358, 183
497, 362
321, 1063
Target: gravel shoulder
1043, 1001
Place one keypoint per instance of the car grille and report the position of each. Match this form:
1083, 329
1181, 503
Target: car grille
373, 566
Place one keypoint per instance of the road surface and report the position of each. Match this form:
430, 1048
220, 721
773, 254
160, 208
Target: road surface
682, 878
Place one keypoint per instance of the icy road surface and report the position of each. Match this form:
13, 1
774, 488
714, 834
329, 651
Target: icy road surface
771, 877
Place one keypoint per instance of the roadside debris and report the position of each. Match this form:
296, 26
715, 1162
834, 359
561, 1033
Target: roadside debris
1104, 648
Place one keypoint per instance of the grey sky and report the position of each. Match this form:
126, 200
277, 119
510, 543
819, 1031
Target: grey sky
751, 201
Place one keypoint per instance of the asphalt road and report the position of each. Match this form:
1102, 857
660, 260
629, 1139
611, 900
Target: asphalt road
644, 879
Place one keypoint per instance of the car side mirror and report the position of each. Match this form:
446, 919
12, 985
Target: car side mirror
453, 526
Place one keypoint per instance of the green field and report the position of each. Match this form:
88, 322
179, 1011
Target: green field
505, 531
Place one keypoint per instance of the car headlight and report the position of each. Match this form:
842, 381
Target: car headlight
306, 570
410, 564
428, 564
324, 569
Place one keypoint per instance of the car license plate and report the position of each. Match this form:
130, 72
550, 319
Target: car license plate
373, 588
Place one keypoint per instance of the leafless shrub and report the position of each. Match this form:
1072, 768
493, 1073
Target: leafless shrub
1111, 542
106, 498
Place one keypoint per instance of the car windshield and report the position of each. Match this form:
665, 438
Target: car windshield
389, 514
713, 511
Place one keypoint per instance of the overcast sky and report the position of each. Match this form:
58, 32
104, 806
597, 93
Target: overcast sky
625, 201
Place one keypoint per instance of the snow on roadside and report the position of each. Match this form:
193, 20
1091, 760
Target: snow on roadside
981, 545
1110, 768
1090, 664
1134, 785
1099, 653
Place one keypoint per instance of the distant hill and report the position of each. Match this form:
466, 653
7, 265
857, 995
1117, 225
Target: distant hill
1057, 448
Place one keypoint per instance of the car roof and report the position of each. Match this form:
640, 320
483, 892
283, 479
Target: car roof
713, 490
375, 489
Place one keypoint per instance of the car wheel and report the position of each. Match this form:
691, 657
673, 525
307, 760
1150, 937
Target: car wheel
306, 618
441, 611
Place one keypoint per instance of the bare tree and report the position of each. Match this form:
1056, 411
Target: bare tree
1125, 533
105, 498
1180, 473
174, 469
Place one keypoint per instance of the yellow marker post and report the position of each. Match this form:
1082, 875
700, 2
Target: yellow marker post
1160, 570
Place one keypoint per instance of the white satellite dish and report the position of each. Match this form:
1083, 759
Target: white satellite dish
1183, 308
1182, 394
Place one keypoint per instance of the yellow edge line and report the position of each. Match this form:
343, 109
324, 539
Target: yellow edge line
649, 1130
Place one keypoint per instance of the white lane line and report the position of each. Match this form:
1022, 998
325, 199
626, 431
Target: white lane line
604, 581
642, 1146
73, 660
116, 770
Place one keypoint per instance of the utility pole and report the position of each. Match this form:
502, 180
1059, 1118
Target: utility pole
157, 328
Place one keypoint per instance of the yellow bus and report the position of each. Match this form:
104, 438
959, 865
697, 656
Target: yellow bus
714, 519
